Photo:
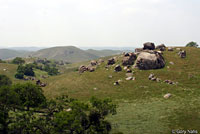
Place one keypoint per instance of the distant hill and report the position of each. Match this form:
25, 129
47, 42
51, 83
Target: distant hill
103, 53
9, 54
72, 54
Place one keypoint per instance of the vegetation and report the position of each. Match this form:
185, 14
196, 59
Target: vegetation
24, 109
4, 80
25, 70
18, 60
192, 44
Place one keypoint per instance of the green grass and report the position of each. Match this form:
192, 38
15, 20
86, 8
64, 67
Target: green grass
141, 106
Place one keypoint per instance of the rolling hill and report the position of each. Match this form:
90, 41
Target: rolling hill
9, 54
72, 54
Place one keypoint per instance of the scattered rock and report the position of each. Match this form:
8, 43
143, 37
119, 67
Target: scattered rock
90, 69
95, 88
151, 76
169, 82
100, 61
119, 81
182, 54
172, 63
4, 69
110, 76
93, 63
129, 78
116, 83
118, 68
149, 60
179, 49
158, 79
148, 46
111, 61
82, 69
128, 70
166, 96
170, 49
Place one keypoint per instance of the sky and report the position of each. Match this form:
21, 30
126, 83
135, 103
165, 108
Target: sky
98, 23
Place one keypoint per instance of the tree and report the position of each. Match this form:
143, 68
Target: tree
19, 75
192, 44
18, 60
30, 95
4, 81
26, 70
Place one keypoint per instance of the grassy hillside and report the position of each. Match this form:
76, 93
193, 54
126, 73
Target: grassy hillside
141, 106
8, 54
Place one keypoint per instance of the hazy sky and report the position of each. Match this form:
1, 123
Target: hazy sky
98, 22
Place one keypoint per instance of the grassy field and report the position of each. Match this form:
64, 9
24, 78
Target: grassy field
141, 106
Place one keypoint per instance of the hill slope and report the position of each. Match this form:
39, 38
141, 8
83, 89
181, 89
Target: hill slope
103, 53
72, 54
142, 108
8, 54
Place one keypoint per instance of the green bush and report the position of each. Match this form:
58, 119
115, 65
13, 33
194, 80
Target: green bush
19, 75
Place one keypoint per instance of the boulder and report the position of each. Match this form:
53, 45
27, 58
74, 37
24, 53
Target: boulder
118, 68
148, 46
172, 63
149, 60
93, 63
129, 60
129, 71
116, 83
182, 54
90, 69
166, 96
100, 61
170, 49
82, 69
111, 61
161, 47
129, 78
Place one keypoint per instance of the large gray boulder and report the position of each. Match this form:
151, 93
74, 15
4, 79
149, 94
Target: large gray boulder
129, 59
149, 60
148, 46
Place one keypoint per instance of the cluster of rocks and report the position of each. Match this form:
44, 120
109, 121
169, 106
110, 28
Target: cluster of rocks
152, 77
91, 67
129, 59
41, 84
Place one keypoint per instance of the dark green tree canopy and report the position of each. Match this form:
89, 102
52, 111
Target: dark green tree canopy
192, 44
18, 60
5, 81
